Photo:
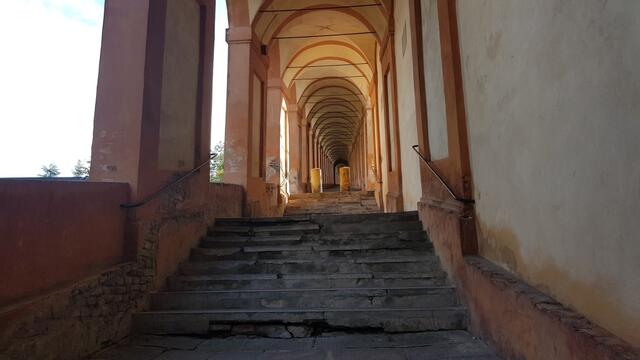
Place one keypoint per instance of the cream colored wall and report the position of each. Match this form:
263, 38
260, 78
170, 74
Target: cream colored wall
552, 91
411, 185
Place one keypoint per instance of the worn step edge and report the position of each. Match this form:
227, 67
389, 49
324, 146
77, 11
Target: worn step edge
427, 257
388, 319
299, 311
346, 289
312, 276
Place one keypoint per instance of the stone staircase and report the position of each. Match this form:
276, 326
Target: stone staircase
352, 202
303, 275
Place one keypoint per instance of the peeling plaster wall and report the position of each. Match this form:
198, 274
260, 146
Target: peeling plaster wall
411, 186
551, 90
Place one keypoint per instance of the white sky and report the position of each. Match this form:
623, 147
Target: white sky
48, 73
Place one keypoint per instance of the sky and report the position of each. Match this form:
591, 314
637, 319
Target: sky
48, 77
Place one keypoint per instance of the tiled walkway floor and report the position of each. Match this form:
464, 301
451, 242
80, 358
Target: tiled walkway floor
457, 345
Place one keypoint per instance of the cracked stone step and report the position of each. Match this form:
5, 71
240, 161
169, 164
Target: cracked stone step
298, 227
335, 267
237, 241
317, 257
261, 221
325, 245
207, 254
372, 227
199, 322
334, 246
326, 238
262, 281
357, 218
432, 297
350, 236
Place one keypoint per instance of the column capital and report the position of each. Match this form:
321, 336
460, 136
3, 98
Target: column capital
239, 35
274, 83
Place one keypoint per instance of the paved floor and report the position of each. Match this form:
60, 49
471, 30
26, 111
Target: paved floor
455, 345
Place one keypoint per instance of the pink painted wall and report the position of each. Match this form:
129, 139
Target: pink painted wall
56, 232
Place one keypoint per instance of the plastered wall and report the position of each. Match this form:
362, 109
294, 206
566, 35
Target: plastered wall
552, 91
180, 88
411, 187
434, 82
383, 134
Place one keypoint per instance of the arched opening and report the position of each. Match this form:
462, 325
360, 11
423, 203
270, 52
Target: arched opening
337, 165
323, 59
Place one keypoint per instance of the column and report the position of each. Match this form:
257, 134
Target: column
152, 84
370, 155
273, 165
304, 154
295, 151
236, 146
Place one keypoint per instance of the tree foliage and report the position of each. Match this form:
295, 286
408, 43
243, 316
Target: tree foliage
81, 169
217, 163
49, 171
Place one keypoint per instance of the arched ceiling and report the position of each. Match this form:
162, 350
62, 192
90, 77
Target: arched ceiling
327, 53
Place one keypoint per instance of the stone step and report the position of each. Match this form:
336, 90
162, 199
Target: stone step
279, 229
319, 219
202, 322
320, 246
372, 227
209, 254
432, 297
236, 239
350, 236
330, 195
331, 211
261, 221
303, 267
313, 258
309, 281
240, 240
357, 218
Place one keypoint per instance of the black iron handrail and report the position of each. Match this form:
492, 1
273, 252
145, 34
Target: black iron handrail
444, 183
162, 189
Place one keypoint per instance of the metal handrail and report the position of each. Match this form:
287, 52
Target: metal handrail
162, 189
444, 183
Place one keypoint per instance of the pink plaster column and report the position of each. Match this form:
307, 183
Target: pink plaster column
304, 154
274, 164
295, 151
371, 156
140, 44
236, 147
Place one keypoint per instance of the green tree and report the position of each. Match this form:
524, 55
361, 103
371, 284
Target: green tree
49, 171
217, 163
81, 169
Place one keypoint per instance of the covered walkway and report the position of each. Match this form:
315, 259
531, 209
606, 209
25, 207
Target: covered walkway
493, 180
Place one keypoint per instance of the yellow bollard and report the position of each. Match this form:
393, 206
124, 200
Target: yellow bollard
345, 178
316, 180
